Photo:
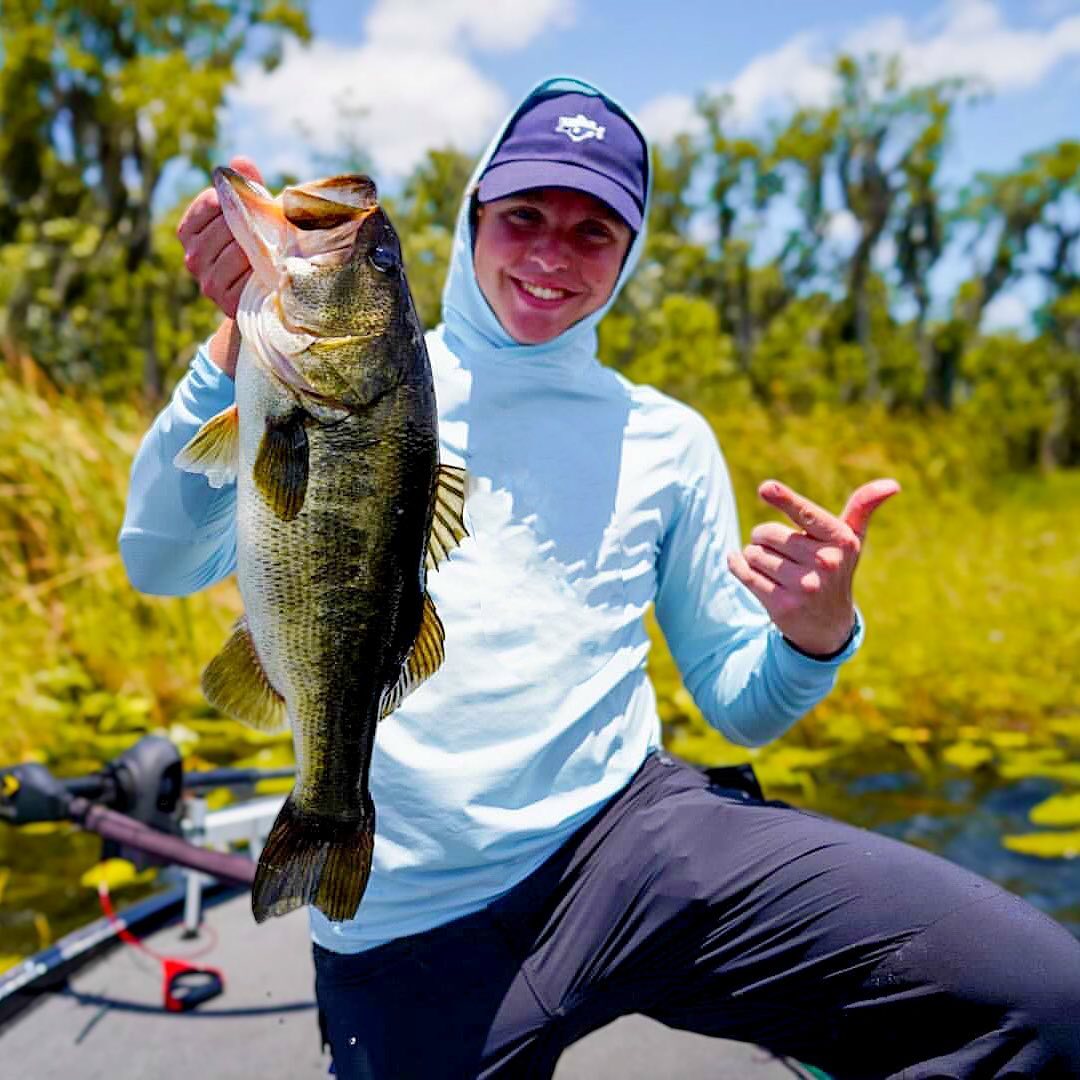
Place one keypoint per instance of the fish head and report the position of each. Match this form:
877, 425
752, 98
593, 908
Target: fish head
331, 312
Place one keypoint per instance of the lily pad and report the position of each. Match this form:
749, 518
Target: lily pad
218, 798
278, 786
1048, 845
967, 755
1009, 740
1021, 770
114, 874
1059, 810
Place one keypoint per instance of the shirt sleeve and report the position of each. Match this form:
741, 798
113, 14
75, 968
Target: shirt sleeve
747, 680
179, 533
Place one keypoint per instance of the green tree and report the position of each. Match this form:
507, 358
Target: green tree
801, 154
97, 99
741, 185
425, 216
1010, 211
889, 140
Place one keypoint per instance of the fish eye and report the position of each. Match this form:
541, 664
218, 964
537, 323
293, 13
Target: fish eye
384, 259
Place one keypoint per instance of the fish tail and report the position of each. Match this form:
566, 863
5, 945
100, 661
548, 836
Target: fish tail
311, 859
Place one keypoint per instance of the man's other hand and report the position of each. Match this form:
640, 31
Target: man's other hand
804, 576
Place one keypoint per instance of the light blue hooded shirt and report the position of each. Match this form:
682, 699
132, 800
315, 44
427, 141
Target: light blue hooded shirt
590, 499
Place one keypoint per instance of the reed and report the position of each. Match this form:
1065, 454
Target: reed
970, 585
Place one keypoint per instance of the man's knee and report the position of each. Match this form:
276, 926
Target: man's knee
1009, 971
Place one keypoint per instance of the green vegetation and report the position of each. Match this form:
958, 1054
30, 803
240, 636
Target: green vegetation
819, 360
973, 625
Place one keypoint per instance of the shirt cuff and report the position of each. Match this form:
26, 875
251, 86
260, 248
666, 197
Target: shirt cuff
835, 659
210, 375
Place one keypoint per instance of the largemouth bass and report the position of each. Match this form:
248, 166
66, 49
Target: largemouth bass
342, 508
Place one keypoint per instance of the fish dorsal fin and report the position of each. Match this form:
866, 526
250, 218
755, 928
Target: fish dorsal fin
448, 521
235, 683
281, 465
214, 450
424, 659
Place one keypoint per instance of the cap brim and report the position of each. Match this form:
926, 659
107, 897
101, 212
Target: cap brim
512, 177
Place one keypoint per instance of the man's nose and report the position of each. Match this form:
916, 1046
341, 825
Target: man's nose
549, 252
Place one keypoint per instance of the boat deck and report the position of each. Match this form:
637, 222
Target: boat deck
108, 1022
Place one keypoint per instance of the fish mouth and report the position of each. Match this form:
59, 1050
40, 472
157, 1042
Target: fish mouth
256, 222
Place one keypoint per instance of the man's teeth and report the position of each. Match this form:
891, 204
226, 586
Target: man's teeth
543, 294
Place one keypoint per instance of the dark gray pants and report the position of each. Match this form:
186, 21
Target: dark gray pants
721, 913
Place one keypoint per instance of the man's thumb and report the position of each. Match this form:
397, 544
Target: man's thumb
248, 167
864, 501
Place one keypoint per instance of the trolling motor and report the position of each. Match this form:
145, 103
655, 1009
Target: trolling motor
134, 803
144, 783
133, 800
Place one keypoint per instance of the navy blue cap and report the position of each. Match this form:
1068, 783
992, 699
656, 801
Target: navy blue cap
572, 141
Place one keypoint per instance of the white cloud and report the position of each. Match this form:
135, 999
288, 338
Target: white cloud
843, 229
792, 73
408, 86
440, 99
485, 24
972, 38
961, 37
669, 115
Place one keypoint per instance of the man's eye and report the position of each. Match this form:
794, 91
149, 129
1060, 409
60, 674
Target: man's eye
524, 215
596, 232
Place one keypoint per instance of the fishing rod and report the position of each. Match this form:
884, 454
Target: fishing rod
134, 801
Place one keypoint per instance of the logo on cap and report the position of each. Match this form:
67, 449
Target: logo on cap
579, 128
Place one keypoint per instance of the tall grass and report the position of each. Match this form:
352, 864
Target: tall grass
969, 583
86, 662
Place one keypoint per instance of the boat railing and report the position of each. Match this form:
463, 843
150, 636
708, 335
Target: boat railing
247, 823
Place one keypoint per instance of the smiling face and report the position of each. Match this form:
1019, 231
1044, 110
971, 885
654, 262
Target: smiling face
547, 258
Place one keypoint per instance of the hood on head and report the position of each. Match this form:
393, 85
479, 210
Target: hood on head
467, 315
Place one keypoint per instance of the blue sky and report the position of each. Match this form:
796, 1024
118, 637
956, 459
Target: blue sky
421, 73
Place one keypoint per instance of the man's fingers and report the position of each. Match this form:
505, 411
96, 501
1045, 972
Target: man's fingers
864, 501
795, 545
795, 576
213, 241
248, 168
205, 208
815, 520
761, 586
230, 299
213, 255
201, 211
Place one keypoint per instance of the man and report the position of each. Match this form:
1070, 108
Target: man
541, 865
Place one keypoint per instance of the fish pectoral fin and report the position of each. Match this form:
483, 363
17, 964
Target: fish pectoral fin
424, 659
214, 450
448, 521
281, 465
235, 683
